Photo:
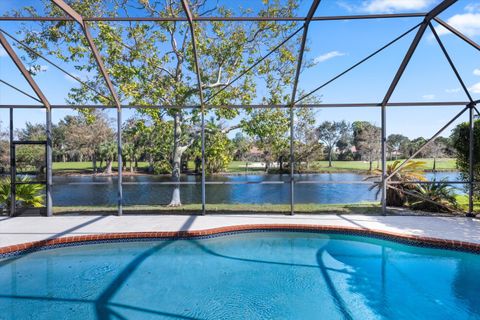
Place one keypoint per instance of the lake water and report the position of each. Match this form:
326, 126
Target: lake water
149, 190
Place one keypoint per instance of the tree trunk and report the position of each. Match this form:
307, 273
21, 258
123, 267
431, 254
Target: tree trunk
131, 166
94, 163
330, 157
371, 165
434, 164
176, 159
108, 168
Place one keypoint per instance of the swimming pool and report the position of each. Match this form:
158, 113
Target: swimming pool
254, 275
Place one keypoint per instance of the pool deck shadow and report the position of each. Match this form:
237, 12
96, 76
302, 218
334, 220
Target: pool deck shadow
18, 230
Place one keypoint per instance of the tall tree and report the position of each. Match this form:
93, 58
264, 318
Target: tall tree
330, 133
460, 140
306, 145
154, 63
369, 143
396, 143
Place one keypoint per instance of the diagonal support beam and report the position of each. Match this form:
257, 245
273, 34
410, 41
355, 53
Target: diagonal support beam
21, 67
433, 138
357, 64
30, 50
256, 63
186, 8
457, 33
450, 61
20, 90
435, 11
78, 18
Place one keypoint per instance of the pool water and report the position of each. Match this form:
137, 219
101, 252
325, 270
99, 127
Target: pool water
258, 275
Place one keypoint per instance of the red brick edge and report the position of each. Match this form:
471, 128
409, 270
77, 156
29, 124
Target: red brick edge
412, 239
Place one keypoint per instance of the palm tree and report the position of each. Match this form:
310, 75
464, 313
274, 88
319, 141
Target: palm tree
411, 171
27, 195
435, 197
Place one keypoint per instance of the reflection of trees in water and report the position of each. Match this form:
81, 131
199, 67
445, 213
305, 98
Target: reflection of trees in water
466, 284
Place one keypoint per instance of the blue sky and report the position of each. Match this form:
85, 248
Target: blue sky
333, 47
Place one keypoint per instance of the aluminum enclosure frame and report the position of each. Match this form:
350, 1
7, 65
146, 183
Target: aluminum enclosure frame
72, 15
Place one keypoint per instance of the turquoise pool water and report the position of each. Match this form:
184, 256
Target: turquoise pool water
259, 275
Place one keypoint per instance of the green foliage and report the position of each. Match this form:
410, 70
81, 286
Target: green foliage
411, 171
269, 129
27, 195
460, 142
219, 149
435, 197
162, 167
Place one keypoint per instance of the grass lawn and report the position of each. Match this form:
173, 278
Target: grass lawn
358, 208
463, 202
240, 166
367, 208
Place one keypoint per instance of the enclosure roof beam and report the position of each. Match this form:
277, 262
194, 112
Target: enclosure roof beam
432, 14
457, 33
356, 64
312, 105
78, 18
20, 90
206, 19
426, 144
30, 50
16, 59
450, 61
256, 63
310, 14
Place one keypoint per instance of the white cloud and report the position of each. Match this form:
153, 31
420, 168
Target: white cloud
390, 6
327, 56
466, 23
475, 88
428, 96
473, 7
476, 72
456, 90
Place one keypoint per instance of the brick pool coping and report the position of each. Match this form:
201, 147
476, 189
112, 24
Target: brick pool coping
416, 240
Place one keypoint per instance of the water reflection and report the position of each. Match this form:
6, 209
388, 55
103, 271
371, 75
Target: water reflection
74, 190
258, 275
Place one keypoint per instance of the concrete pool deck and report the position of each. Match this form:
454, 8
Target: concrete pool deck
20, 230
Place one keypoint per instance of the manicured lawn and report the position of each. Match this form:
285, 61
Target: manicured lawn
241, 166
463, 202
360, 208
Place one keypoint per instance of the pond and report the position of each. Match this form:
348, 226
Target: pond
148, 190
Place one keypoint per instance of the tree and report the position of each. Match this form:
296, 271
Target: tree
435, 149
396, 144
154, 63
218, 148
306, 145
4, 149
241, 145
28, 156
84, 135
460, 141
415, 145
107, 151
330, 133
369, 142
269, 129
